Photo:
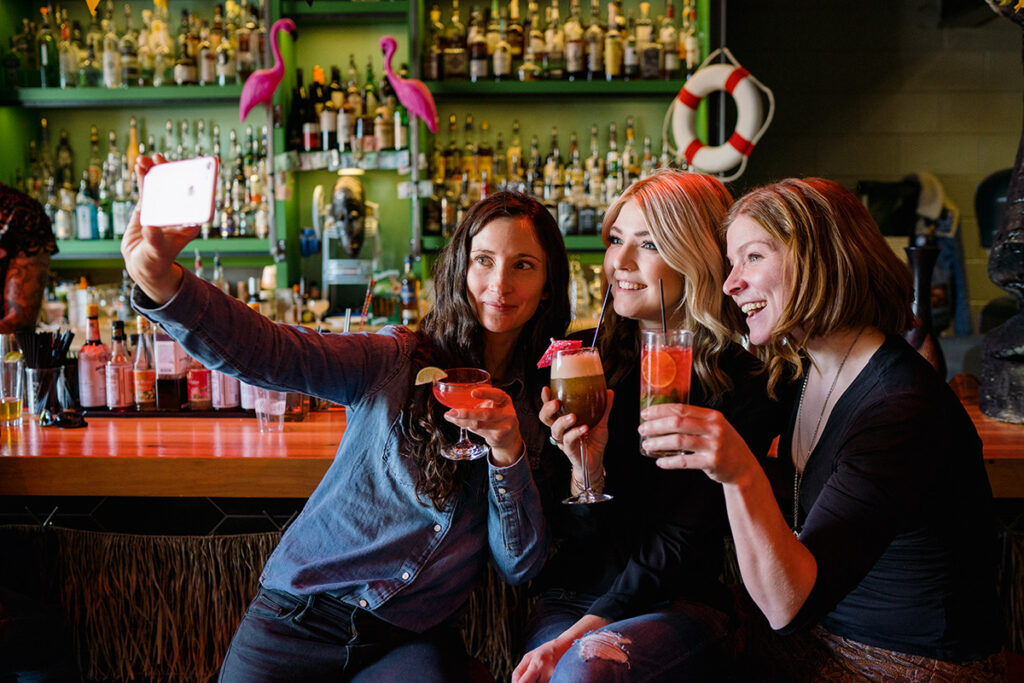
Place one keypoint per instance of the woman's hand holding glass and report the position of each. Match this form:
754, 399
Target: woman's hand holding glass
494, 419
713, 444
568, 435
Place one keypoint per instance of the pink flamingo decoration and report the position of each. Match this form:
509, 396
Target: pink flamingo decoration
261, 85
413, 94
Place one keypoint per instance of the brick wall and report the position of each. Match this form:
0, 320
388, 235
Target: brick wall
875, 90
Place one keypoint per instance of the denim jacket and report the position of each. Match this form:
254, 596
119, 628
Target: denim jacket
363, 535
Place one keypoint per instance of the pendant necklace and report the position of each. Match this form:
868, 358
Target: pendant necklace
797, 474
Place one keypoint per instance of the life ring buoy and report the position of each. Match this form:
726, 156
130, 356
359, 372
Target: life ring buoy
736, 81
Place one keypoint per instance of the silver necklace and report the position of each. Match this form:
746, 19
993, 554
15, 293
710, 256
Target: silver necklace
797, 474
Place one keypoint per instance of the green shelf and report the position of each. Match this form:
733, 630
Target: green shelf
165, 95
359, 11
515, 89
111, 249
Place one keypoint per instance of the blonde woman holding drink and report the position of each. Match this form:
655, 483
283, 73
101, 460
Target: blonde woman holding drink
633, 592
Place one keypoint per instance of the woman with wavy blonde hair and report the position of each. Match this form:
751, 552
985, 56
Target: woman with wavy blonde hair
641, 573
883, 562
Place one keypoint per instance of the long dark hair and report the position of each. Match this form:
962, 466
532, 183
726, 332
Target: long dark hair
450, 334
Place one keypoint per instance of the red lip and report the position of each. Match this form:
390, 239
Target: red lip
500, 308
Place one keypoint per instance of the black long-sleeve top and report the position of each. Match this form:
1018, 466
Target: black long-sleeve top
897, 510
661, 538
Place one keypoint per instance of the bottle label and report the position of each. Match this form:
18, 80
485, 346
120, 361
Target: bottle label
224, 390
574, 57
199, 385
119, 385
145, 386
478, 68
502, 63
92, 388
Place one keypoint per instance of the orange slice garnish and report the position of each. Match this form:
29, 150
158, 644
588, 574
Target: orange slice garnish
657, 369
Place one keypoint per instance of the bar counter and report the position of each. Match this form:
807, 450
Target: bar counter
229, 457
169, 457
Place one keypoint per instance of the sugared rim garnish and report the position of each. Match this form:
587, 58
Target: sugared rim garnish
556, 346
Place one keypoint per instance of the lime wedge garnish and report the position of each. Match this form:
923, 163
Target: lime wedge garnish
429, 375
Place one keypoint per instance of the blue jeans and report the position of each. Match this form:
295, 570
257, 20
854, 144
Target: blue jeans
285, 637
678, 641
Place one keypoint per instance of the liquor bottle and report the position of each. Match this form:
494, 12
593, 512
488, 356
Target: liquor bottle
484, 152
565, 211
94, 36
65, 160
224, 391
613, 165
171, 383
163, 47
369, 94
468, 166
128, 47
335, 92
535, 170
118, 372
455, 63
535, 40
217, 280
553, 162
92, 363
90, 75
410, 294
586, 217
111, 50
452, 156
553, 62
433, 55
143, 371
432, 210
401, 128
575, 45
669, 38
46, 166
502, 56
67, 54
123, 205
650, 49
515, 154
227, 69
244, 57
310, 122
648, 165
630, 52
258, 38
206, 60
479, 59
493, 31
595, 44
516, 37
131, 152
613, 46
499, 165
530, 68
199, 390
85, 211
689, 40
353, 94
449, 209
186, 71
104, 212
48, 53
147, 57
630, 163
64, 223
384, 129
594, 165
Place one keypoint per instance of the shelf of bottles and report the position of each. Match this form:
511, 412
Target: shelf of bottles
350, 10
334, 160
157, 96
561, 88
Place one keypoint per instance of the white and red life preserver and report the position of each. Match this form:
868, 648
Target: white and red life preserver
736, 81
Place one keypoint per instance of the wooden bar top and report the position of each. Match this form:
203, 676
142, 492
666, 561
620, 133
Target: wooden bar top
169, 456
229, 457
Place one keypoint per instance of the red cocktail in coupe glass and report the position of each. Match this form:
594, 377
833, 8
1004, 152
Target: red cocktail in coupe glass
456, 391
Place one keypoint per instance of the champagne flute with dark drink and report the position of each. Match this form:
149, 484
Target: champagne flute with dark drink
456, 391
577, 382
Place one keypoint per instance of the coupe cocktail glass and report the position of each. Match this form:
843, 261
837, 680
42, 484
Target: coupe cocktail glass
577, 382
456, 391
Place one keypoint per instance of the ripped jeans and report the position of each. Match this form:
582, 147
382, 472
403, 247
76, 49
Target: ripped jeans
679, 641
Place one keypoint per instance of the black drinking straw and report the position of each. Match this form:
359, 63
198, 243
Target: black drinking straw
597, 329
661, 300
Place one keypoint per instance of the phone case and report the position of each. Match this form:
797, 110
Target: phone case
180, 193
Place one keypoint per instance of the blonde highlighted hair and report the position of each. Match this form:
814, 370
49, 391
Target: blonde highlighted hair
683, 212
845, 274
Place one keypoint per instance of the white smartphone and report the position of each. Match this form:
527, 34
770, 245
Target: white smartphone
180, 192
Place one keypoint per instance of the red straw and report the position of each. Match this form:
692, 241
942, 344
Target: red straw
366, 302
